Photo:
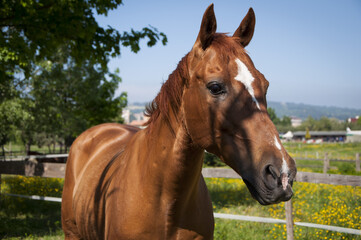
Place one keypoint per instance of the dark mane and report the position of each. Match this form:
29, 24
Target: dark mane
170, 95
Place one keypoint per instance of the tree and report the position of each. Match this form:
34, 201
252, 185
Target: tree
69, 98
11, 113
32, 30
307, 135
282, 125
309, 123
53, 58
273, 116
286, 121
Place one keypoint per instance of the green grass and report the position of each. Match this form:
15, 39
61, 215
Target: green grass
18, 149
299, 150
336, 167
340, 151
30, 219
314, 203
334, 150
233, 229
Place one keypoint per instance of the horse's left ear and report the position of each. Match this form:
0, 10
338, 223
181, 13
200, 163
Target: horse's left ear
208, 28
246, 29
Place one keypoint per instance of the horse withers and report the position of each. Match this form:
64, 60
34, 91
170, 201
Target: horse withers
126, 183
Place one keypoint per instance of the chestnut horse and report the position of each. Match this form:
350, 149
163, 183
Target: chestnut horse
126, 183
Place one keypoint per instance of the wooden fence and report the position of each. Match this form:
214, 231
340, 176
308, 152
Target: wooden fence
326, 161
57, 170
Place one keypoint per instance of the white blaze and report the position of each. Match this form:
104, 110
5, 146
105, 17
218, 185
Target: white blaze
284, 166
284, 163
277, 143
245, 77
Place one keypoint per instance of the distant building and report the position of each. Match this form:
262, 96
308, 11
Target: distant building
134, 115
326, 136
353, 136
139, 123
126, 115
353, 120
287, 136
296, 122
138, 116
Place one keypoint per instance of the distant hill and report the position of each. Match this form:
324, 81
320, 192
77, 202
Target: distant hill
301, 110
304, 110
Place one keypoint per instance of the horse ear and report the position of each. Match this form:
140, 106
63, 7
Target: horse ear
208, 28
246, 29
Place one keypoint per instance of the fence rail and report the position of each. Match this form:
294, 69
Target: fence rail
23, 157
57, 170
326, 161
309, 177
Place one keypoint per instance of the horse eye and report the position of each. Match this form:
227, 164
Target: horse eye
216, 88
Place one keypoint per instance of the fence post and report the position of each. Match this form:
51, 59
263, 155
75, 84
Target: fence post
289, 219
326, 163
357, 162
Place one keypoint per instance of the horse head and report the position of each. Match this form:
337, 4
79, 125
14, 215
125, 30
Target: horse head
225, 110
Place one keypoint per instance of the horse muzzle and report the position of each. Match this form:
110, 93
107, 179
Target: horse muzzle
271, 186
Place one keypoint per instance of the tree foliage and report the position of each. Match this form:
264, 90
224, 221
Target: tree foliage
323, 124
282, 125
32, 30
67, 98
55, 82
11, 114
76, 97
273, 116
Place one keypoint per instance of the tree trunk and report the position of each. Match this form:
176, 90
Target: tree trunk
3, 149
54, 143
27, 147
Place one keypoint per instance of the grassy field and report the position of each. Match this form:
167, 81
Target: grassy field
334, 150
30, 219
315, 203
339, 151
19, 149
344, 153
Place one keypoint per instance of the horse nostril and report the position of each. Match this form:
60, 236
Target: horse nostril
270, 170
271, 176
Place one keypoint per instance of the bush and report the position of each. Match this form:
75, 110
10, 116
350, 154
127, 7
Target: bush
211, 160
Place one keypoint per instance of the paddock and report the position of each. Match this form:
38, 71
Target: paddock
57, 170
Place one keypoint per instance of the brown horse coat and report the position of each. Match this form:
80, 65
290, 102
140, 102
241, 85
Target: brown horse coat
142, 201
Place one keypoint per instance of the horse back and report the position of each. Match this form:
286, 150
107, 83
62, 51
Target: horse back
88, 173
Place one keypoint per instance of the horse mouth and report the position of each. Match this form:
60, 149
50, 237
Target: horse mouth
269, 196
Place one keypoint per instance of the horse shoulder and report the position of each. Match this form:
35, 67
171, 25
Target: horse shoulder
87, 173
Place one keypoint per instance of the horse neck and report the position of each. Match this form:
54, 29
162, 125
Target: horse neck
172, 148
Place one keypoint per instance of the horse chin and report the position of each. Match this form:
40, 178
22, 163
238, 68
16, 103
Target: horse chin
266, 197
255, 193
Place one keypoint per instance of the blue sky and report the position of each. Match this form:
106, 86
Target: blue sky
309, 51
